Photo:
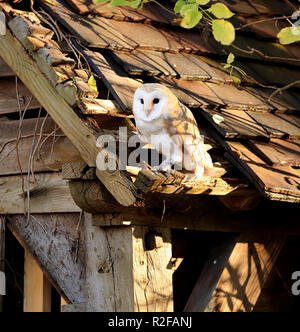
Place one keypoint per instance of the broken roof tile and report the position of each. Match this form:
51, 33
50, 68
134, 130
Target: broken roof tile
192, 67
279, 179
191, 93
236, 98
278, 125
278, 152
121, 86
281, 102
96, 32
235, 124
143, 35
149, 63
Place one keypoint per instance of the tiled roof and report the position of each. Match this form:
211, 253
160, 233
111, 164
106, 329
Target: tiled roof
259, 136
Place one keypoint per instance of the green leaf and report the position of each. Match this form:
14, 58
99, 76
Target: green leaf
227, 66
219, 10
92, 83
223, 32
117, 3
230, 58
179, 4
191, 18
236, 79
185, 8
289, 35
202, 2
101, 1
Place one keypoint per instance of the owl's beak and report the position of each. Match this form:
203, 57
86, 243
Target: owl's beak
148, 111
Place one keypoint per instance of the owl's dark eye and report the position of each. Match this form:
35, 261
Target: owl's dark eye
142, 101
156, 101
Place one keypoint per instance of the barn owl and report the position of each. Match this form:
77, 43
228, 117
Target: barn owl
171, 128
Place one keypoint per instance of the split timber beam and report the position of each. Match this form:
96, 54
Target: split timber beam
126, 271
83, 138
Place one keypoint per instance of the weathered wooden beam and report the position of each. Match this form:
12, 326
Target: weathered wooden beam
79, 134
243, 278
2, 255
76, 307
37, 288
210, 274
43, 147
122, 275
57, 243
48, 194
101, 107
150, 182
209, 216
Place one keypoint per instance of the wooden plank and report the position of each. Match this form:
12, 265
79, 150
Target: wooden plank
191, 67
56, 241
237, 98
278, 125
246, 272
280, 179
193, 94
208, 214
48, 194
51, 148
148, 38
235, 124
121, 87
122, 276
149, 182
79, 134
8, 96
101, 107
37, 289
278, 152
151, 63
210, 274
4, 69
2, 256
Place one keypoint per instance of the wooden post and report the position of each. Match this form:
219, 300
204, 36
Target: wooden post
241, 281
122, 275
2, 254
37, 288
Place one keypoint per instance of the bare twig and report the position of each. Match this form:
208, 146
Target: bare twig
280, 90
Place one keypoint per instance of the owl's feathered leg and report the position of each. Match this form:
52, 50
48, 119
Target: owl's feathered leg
165, 166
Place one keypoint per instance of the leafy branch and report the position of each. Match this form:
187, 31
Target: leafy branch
191, 13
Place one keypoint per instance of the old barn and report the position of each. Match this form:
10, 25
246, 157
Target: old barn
75, 238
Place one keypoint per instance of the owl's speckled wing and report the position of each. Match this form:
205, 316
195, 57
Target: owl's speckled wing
181, 124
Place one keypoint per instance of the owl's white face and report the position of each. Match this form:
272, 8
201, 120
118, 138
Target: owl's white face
149, 102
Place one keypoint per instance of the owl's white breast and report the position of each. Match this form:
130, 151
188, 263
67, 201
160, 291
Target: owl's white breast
155, 127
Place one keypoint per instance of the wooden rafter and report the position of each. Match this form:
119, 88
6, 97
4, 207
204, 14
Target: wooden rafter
79, 134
